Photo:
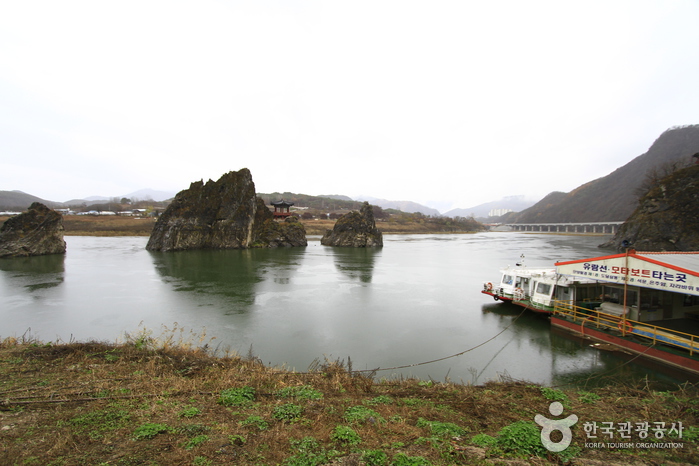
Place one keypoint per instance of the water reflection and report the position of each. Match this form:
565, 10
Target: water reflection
356, 263
37, 272
232, 276
571, 361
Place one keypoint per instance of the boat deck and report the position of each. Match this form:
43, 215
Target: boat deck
681, 325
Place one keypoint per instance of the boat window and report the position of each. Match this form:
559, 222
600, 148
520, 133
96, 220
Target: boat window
690, 300
588, 293
543, 288
652, 300
507, 279
616, 295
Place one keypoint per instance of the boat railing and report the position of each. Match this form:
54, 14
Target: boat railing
627, 327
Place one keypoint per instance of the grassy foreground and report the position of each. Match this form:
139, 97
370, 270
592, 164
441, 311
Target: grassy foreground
153, 401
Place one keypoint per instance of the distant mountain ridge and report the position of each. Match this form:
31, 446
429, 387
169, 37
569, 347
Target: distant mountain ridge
614, 197
19, 201
403, 206
513, 203
610, 198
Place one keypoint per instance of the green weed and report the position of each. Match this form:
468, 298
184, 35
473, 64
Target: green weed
522, 438
379, 400
255, 421
374, 458
362, 414
287, 412
189, 412
191, 430
196, 441
95, 423
553, 394
303, 392
484, 440
150, 430
401, 459
346, 435
589, 397
308, 453
237, 396
237, 439
442, 429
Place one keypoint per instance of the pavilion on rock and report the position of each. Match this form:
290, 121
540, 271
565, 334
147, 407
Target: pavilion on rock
281, 209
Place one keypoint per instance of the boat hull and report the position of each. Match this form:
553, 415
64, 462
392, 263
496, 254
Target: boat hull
496, 296
679, 361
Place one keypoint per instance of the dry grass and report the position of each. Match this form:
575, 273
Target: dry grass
91, 225
166, 401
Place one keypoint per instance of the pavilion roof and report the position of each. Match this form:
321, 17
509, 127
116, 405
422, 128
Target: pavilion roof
282, 203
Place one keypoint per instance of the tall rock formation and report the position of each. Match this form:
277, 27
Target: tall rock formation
223, 214
36, 232
355, 229
667, 217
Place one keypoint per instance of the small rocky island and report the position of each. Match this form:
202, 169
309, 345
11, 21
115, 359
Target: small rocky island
667, 217
223, 214
355, 229
36, 232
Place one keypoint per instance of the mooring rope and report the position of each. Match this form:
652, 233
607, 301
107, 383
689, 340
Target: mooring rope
446, 357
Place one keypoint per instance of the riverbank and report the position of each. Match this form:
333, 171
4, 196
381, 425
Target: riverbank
102, 225
164, 401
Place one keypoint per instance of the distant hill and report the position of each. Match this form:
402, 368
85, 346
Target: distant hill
19, 201
514, 203
332, 202
322, 203
152, 194
403, 206
140, 195
614, 197
338, 197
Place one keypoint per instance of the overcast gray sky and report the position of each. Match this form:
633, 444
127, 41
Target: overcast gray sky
446, 103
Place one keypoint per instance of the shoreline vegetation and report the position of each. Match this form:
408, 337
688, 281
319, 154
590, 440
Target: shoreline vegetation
92, 225
175, 400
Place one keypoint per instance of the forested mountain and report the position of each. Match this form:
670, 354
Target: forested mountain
18, 201
615, 196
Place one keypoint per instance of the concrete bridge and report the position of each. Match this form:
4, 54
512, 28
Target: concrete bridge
600, 228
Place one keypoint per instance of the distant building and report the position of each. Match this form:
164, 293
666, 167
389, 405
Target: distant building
498, 212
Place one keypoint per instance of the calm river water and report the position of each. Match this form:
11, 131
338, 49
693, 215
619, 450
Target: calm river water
416, 300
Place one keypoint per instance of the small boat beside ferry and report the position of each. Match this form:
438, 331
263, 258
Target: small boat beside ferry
537, 288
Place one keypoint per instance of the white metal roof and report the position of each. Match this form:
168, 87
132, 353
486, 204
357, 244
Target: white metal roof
685, 260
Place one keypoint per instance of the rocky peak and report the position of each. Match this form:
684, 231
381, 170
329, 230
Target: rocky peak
667, 217
222, 214
355, 229
36, 232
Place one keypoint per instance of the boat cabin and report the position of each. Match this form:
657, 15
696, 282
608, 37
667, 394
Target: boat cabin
646, 286
644, 302
649, 305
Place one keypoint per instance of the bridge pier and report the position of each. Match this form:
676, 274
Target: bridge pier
590, 228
